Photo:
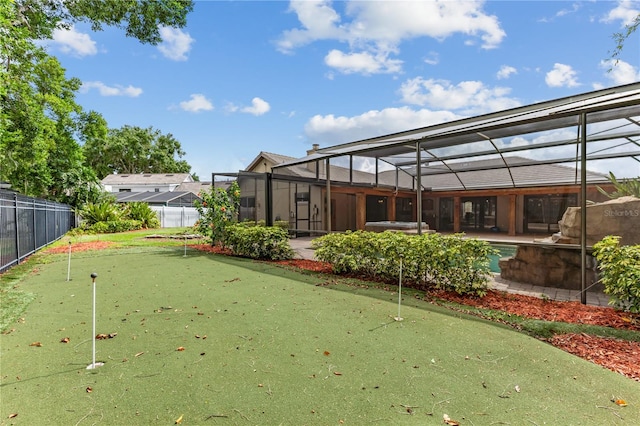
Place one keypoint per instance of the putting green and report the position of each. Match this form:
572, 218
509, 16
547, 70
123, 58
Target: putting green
205, 339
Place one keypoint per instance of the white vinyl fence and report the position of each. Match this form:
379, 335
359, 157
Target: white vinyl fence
176, 217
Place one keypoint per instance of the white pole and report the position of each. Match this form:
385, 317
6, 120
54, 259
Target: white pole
69, 264
94, 364
185, 246
399, 318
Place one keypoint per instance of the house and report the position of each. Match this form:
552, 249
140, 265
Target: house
513, 171
143, 182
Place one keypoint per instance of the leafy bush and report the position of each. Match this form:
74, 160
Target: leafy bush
448, 262
218, 209
142, 212
258, 242
620, 272
105, 211
113, 226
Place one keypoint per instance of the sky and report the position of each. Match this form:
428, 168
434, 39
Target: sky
276, 76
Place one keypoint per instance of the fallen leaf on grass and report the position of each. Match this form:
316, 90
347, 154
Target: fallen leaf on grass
138, 354
327, 353
180, 348
621, 402
89, 389
179, 420
449, 421
337, 373
103, 336
65, 340
36, 344
13, 415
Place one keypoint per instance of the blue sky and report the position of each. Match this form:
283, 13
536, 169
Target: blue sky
244, 77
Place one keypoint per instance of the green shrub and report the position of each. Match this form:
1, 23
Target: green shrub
448, 262
106, 211
111, 227
258, 242
142, 212
620, 272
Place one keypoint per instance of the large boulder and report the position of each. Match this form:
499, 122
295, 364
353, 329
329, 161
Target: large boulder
620, 216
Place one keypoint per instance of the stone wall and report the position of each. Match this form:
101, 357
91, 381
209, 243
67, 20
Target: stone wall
548, 266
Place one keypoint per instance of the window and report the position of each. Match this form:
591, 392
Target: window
302, 197
249, 202
124, 190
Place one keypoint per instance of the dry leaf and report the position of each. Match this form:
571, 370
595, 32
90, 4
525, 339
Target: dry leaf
89, 389
13, 415
180, 348
337, 373
327, 353
101, 336
179, 420
449, 421
517, 388
65, 340
36, 344
621, 402
138, 354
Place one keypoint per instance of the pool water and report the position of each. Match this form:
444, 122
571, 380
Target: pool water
505, 251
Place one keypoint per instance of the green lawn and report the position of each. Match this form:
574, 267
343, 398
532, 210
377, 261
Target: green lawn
264, 345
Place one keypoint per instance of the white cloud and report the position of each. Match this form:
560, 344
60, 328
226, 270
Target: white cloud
258, 107
561, 76
117, 90
625, 12
175, 43
73, 42
197, 103
467, 97
433, 58
363, 63
376, 29
329, 129
620, 72
505, 72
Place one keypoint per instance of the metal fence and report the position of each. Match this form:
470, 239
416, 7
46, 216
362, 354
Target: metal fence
28, 224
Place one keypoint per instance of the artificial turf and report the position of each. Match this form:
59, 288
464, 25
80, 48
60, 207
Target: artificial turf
212, 340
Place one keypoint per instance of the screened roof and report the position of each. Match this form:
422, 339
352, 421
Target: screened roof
508, 142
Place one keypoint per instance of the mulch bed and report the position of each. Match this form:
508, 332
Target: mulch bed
75, 247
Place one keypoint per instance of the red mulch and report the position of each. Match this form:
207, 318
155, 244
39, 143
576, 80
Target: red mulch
75, 247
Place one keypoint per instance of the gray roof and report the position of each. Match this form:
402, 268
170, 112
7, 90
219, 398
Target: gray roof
522, 139
173, 198
146, 179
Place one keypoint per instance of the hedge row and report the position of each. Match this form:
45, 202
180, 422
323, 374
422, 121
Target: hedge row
258, 242
447, 262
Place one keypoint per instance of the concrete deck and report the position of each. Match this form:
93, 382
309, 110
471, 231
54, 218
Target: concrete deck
302, 247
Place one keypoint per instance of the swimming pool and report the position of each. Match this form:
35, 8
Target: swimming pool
506, 250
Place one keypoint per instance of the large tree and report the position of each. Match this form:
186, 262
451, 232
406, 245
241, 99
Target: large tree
132, 149
41, 125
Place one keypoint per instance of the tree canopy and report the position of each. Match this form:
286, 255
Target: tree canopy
41, 125
132, 149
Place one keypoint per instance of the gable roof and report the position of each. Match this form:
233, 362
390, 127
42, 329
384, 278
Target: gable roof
147, 179
270, 157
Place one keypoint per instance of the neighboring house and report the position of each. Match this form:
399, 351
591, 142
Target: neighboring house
144, 182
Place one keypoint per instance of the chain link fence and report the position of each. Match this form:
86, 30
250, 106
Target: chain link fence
28, 224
